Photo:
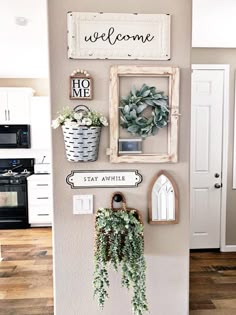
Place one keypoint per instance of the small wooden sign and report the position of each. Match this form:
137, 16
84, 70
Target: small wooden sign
80, 85
104, 179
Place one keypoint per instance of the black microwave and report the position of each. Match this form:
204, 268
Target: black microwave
14, 136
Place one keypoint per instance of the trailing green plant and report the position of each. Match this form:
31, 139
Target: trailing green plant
132, 107
120, 243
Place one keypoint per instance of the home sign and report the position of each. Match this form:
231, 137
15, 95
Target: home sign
80, 85
104, 179
118, 36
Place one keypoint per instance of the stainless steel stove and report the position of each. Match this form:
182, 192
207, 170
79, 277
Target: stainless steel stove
13, 192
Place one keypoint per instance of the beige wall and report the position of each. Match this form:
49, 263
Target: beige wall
166, 247
41, 86
224, 56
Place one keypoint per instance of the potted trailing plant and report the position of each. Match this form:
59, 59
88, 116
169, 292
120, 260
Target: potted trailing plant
81, 129
120, 243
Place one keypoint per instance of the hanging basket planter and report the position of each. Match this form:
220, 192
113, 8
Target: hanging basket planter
81, 130
81, 143
120, 243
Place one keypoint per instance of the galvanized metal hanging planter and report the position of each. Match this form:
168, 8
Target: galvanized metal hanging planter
81, 130
81, 143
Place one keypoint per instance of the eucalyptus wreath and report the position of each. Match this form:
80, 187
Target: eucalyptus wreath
132, 106
119, 242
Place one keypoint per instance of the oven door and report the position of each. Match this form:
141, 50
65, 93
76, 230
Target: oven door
13, 201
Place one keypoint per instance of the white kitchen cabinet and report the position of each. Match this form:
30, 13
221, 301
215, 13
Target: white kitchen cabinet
3, 106
40, 123
15, 105
40, 205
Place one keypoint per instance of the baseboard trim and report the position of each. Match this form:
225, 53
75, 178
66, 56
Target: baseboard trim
228, 248
204, 250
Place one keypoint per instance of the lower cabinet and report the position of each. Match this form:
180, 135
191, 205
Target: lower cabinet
40, 200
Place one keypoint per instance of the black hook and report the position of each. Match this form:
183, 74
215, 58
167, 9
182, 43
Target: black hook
118, 198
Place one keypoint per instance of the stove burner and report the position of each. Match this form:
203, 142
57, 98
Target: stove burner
10, 173
25, 171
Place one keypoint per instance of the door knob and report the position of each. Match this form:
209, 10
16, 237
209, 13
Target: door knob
217, 175
218, 186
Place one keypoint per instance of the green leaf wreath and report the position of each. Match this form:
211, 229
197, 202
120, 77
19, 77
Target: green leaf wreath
119, 242
132, 106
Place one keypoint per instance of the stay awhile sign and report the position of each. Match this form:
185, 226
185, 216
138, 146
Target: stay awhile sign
118, 36
104, 179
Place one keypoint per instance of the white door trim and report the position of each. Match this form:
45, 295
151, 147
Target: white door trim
226, 68
234, 151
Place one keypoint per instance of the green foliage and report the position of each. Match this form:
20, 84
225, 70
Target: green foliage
132, 106
119, 243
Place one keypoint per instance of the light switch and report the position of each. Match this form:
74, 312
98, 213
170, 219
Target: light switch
83, 204
86, 204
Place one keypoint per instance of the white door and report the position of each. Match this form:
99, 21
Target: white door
206, 157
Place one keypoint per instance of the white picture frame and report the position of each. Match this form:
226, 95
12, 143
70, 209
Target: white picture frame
118, 36
173, 76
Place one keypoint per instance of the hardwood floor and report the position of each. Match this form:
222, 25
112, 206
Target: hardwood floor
26, 276
212, 283
26, 285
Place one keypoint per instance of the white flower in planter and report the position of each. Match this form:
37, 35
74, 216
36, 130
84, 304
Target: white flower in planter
71, 124
56, 123
104, 121
87, 118
78, 116
87, 122
72, 119
67, 122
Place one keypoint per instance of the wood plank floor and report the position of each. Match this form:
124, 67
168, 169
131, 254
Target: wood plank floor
26, 276
26, 286
212, 283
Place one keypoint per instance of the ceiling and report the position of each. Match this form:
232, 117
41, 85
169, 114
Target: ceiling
214, 23
23, 49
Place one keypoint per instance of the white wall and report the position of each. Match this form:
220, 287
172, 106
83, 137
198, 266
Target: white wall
214, 23
166, 247
24, 49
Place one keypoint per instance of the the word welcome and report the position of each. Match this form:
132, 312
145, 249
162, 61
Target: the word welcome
111, 37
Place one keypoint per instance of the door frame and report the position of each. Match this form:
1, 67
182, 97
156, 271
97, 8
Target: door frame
225, 137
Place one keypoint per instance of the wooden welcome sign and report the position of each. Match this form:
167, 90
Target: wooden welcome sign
104, 179
118, 36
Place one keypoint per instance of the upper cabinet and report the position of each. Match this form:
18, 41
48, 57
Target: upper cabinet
214, 23
15, 105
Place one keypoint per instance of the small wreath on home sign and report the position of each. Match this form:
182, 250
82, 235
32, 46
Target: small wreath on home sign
132, 107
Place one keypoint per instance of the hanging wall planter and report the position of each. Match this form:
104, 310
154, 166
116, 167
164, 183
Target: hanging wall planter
120, 243
81, 130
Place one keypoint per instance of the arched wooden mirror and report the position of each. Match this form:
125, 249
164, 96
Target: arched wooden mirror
163, 200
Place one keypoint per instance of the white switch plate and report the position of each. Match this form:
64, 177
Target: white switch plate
83, 204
